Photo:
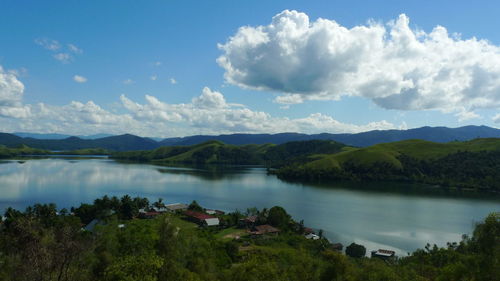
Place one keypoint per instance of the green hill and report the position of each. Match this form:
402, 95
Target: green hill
9, 152
216, 152
211, 152
470, 164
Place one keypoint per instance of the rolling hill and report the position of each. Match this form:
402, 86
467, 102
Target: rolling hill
129, 142
470, 164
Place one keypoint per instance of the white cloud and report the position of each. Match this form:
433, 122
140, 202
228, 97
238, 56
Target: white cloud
157, 63
173, 81
289, 99
79, 79
207, 113
394, 66
11, 94
128, 81
154, 77
63, 57
48, 44
209, 99
496, 118
59, 53
73, 48
464, 115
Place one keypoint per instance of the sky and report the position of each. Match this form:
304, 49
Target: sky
180, 68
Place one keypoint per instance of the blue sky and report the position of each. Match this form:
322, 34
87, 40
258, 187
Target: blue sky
83, 67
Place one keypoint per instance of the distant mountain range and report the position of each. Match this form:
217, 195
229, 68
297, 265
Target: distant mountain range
58, 136
130, 142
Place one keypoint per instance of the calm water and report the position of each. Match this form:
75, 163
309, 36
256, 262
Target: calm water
395, 221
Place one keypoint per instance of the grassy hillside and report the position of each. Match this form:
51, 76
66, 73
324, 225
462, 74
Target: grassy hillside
211, 152
471, 164
216, 152
7, 152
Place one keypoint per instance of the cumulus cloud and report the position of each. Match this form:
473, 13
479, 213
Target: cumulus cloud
496, 118
79, 79
154, 77
391, 64
11, 94
210, 113
207, 113
173, 81
128, 81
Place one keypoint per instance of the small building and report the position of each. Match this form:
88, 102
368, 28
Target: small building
383, 254
214, 212
248, 222
308, 230
312, 236
264, 229
212, 222
337, 247
202, 218
149, 215
176, 207
159, 209
91, 226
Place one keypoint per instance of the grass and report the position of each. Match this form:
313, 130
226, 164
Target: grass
180, 223
389, 152
230, 233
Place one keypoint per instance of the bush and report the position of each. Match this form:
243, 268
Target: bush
355, 250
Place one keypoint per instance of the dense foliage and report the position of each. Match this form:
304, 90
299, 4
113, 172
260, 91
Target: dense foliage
463, 165
215, 152
44, 244
8, 152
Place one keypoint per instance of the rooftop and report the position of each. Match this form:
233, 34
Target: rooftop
265, 228
198, 215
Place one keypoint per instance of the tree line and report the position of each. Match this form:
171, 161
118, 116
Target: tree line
44, 243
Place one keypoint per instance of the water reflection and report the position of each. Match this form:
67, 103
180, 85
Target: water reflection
347, 212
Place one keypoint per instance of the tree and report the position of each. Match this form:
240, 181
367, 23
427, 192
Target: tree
159, 203
128, 208
278, 217
194, 206
355, 250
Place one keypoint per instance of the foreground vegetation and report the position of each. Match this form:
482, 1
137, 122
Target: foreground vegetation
43, 244
470, 165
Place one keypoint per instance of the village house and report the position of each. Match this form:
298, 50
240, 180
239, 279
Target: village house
248, 222
214, 212
312, 236
201, 218
159, 209
91, 225
383, 254
308, 230
264, 229
337, 247
149, 215
176, 207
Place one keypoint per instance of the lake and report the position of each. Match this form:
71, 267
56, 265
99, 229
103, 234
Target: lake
347, 213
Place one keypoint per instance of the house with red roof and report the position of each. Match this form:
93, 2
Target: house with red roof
202, 218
